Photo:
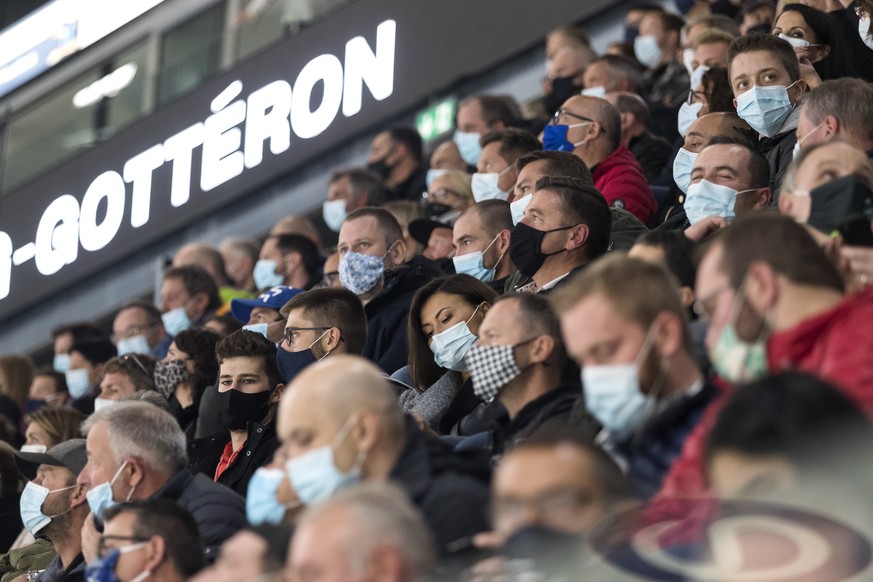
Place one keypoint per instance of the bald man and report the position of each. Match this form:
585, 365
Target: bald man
339, 423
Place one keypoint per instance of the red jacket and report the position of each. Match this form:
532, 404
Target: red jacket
621, 180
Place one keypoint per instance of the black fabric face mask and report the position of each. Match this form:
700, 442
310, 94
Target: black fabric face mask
435, 210
381, 168
562, 89
525, 248
237, 408
844, 205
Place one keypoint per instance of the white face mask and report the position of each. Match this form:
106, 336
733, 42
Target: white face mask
485, 185
334, 213
707, 199
518, 206
864, 32
687, 59
682, 166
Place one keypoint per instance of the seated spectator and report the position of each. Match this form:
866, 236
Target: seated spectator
816, 38
578, 220
405, 211
53, 505
481, 243
368, 528
444, 319
634, 17
591, 129
87, 362
710, 93
136, 452
63, 338
287, 259
330, 277
434, 237
302, 225
841, 110
16, 375
658, 49
729, 180
240, 256
208, 257
48, 388
711, 50
123, 376
262, 315
520, 360
756, 17
10, 496
476, 116
223, 325
351, 189
496, 173
614, 330
445, 157
448, 196
48, 427
154, 539
249, 389
611, 73
137, 329
651, 151
396, 157
698, 27
768, 102
318, 324
344, 408
188, 298
568, 54
256, 553
186, 373
371, 266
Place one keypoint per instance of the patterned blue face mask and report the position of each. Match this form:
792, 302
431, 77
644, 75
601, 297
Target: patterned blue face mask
359, 273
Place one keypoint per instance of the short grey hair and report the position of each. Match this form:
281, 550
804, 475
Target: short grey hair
380, 514
142, 430
850, 100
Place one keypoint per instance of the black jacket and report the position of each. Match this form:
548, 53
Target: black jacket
218, 511
454, 504
652, 152
779, 151
204, 455
55, 571
388, 311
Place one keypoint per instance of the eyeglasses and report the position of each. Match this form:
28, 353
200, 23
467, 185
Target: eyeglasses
103, 549
699, 307
127, 358
699, 94
560, 113
441, 194
288, 338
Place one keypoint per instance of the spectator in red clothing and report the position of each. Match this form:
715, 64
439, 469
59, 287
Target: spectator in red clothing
590, 127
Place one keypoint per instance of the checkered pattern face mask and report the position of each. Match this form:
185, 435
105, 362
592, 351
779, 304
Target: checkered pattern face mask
491, 368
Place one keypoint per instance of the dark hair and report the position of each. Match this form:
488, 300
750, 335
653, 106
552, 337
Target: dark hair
796, 416
670, 22
849, 100
759, 41
385, 221
196, 280
781, 243
423, 370
363, 180
302, 245
228, 323
582, 203
839, 62
624, 66
759, 168
678, 253
170, 521
494, 109
250, 344
514, 142
199, 344
9, 475
333, 307
79, 331
96, 351
278, 539
139, 368
558, 164
635, 105
153, 314
717, 87
535, 314
494, 216
59, 378
409, 138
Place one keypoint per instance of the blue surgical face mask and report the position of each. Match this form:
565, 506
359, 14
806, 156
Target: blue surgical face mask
176, 321
433, 174
468, 146
137, 344
78, 383
682, 166
32, 499
707, 199
359, 273
765, 109
100, 497
450, 346
292, 363
518, 206
61, 362
265, 275
314, 475
555, 137
688, 113
473, 264
647, 51
334, 213
262, 506
103, 569
260, 328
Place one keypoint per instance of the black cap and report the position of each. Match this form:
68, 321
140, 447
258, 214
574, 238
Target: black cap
70, 454
421, 228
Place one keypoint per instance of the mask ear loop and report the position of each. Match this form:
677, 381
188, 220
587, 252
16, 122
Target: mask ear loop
657, 385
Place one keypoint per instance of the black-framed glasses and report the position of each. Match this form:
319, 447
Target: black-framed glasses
102, 548
556, 118
699, 94
290, 331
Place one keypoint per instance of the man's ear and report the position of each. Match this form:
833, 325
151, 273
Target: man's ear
762, 198
156, 553
79, 496
334, 336
627, 120
669, 333
578, 237
542, 348
367, 431
398, 253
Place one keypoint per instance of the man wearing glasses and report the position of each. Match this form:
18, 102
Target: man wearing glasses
590, 128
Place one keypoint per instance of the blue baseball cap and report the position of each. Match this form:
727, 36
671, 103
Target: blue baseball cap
274, 298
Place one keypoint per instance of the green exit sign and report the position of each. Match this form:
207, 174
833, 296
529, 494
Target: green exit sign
436, 119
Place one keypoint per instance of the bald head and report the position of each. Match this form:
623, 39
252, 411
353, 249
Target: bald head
202, 255
721, 124
597, 139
